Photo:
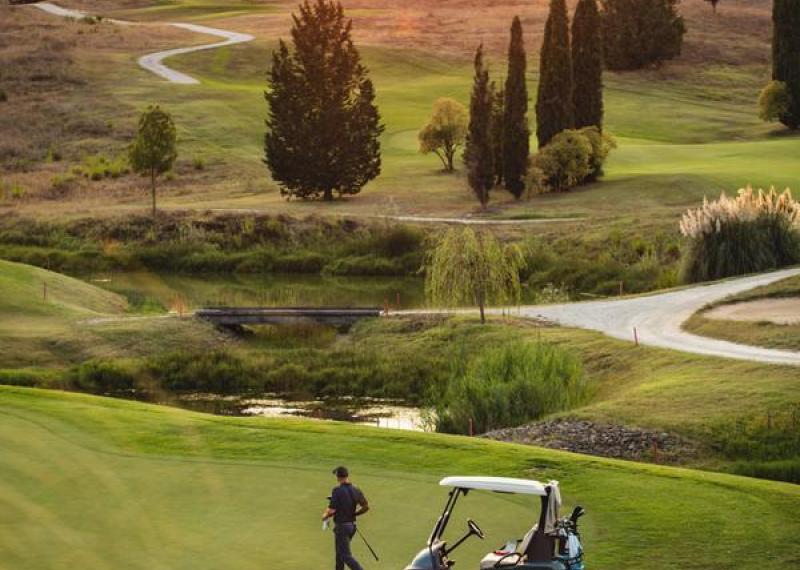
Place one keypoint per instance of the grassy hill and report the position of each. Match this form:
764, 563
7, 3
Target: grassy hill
710, 400
98, 483
76, 321
685, 130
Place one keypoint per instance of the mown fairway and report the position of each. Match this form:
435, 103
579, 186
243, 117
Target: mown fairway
96, 483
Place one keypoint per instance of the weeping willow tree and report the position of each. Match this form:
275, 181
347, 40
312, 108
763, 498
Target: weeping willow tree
473, 268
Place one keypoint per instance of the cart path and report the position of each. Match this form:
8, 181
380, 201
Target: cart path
465, 221
153, 62
658, 318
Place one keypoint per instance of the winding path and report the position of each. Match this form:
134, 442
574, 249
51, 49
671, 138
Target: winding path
658, 318
153, 62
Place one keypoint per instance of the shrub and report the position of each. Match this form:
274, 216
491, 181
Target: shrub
509, 386
563, 164
602, 144
747, 234
199, 163
102, 376
98, 166
774, 101
212, 371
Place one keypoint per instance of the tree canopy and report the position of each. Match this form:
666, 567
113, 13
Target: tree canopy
554, 111
516, 133
153, 151
587, 65
786, 56
638, 33
473, 268
445, 132
323, 127
479, 151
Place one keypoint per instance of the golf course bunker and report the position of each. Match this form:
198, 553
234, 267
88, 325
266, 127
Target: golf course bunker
777, 311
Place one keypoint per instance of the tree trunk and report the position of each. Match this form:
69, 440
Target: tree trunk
483, 313
450, 166
328, 196
153, 190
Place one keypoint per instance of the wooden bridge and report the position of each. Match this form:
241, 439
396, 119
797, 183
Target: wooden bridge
236, 317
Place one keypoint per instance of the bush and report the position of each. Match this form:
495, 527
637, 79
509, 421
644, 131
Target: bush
735, 236
102, 377
199, 163
774, 101
602, 145
572, 158
214, 371
563, 164
98, 166
510, 386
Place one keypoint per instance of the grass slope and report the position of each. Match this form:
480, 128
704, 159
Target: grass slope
100, 483
60, 330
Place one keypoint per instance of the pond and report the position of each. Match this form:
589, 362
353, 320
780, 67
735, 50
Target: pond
368, 411
150, 291
163, 291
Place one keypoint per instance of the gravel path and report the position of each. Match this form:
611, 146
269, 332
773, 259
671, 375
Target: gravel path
153, 62
658, 318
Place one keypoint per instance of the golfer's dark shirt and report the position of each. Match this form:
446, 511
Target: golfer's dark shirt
345, 499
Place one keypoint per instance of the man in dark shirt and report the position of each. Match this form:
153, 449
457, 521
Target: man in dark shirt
346, 503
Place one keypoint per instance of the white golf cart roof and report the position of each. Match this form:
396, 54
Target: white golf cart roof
498, 485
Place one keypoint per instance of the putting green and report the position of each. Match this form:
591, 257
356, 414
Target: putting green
97, 483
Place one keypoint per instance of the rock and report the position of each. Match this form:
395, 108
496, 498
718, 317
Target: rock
606, 440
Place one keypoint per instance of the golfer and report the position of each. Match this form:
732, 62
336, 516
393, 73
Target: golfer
346, 503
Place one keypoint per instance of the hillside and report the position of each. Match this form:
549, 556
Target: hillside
192, 491
75, 321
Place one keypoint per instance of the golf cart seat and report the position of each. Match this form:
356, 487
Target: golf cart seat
508, 558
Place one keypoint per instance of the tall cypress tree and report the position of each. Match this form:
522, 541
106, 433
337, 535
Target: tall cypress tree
587, 65
786, 55
498, 111
516, 134
323, 127
478, 154
554, 100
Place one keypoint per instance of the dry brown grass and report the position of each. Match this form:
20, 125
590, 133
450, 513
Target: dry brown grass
739, 33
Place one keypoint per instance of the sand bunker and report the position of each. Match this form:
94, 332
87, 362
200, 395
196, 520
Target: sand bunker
778, 311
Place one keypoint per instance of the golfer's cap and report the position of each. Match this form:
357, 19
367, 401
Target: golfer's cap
341, 472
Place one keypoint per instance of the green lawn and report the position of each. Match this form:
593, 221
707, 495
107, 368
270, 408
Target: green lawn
97, 483
62, 329
679, 138
402, 358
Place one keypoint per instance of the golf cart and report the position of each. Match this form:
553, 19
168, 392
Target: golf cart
552, 543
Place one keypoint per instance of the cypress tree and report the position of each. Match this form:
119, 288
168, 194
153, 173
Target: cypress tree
786, 55
638, 33
498, 111
479, 154
587, 65
554, 99
323, 127
516, 134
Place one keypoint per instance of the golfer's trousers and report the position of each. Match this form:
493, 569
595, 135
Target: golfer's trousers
344, 532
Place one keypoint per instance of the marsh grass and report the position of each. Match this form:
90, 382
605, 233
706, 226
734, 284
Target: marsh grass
509, 386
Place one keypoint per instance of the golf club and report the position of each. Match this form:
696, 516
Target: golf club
375, 556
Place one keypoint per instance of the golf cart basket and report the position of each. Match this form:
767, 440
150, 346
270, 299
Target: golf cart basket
551, 544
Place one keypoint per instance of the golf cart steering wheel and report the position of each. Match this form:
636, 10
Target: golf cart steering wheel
475, 529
